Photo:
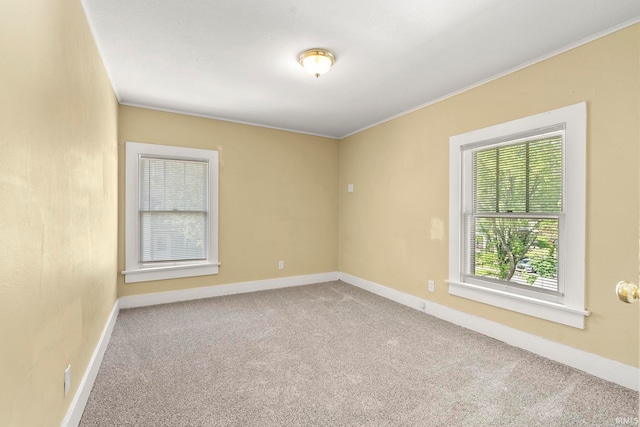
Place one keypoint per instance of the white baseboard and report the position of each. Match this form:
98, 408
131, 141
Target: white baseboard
220, 290
610, 370
607, 369
74, 413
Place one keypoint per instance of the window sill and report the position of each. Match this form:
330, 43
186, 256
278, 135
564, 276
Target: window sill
170, 272
554, 312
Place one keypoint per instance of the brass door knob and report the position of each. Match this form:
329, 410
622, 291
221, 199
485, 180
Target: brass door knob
627, 291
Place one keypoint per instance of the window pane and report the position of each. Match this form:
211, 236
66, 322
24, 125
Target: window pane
172, 236
523, 177
545, 176
173, 210
173, 185
517, 250
484, 189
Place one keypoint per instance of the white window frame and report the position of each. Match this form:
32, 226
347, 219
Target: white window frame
135, 270
569, 308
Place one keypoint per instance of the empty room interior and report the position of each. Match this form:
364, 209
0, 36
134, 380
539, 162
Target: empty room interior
327, 213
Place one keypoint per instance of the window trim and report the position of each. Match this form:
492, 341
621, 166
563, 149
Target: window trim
135, 269
569, 310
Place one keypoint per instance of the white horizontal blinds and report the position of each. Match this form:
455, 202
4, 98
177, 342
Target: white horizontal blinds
516, 201
521, 178
173, 209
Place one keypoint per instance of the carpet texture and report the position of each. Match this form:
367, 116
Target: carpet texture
331, 355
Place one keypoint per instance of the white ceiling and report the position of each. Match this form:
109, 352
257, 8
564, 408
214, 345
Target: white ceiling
237, 60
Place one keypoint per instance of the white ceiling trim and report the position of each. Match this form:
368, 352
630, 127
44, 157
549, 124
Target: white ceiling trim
320, 118
432, 102
505, 73
240, 122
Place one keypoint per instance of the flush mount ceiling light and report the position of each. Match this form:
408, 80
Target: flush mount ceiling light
317, 61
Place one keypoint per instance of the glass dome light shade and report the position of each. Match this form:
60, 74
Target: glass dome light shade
317, 61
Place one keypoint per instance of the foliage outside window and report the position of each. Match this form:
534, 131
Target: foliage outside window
513, 226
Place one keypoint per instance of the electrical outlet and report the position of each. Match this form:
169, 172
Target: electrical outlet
432, 286
67, 380
280, 265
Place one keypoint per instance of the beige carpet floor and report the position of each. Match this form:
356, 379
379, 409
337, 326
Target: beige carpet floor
331, 355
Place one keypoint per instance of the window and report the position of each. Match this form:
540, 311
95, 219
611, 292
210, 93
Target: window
517, 215
171, 212
513, 217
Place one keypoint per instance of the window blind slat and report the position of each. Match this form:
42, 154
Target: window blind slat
173, 209
524, 177
521, 178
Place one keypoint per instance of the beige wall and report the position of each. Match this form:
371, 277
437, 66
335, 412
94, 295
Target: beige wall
58, 196
278, 197
394, 227
282, 197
